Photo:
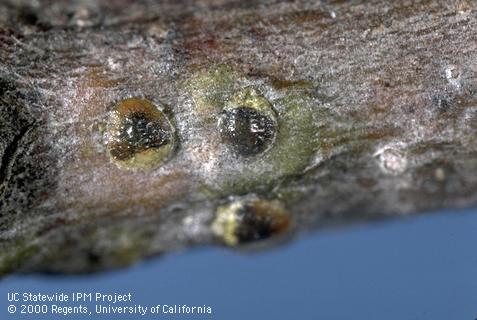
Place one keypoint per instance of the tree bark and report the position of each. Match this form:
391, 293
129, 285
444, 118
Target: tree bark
373, 108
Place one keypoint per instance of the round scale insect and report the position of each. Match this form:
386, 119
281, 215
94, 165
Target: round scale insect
248, 220
248, 123
139, 135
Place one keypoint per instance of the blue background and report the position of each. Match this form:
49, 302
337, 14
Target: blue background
413, 268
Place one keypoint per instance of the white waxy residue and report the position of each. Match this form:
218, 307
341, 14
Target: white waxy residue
453, 76
392, 160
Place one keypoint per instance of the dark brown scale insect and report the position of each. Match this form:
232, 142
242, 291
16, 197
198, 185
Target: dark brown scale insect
246, 130
246, 221
140, 135
260, 220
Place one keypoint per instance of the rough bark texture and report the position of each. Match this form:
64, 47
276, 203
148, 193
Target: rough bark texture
376, 107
